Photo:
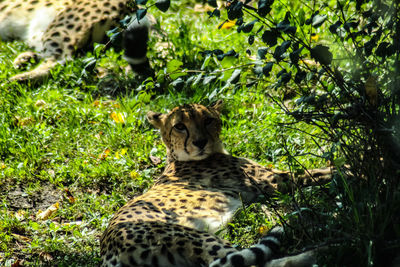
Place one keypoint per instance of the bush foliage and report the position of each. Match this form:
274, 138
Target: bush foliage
307, 83
347, 85
340, 62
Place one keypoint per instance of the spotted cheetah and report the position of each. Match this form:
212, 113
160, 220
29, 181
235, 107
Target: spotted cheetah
201, 188
57, 29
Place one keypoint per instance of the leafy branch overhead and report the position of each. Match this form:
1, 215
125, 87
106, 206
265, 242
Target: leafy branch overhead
340, 60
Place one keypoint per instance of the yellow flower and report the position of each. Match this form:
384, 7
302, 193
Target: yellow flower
227, 24
314, 37
118, 117
120, 153
134, 175
262, 230
104, 154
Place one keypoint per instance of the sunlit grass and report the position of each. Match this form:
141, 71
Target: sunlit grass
69, 134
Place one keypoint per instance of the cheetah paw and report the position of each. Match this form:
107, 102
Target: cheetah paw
24, 58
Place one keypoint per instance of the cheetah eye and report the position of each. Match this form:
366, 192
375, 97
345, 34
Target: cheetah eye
180, 127
208, 121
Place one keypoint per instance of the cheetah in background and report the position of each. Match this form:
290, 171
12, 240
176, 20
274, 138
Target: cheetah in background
201, 188
58, 29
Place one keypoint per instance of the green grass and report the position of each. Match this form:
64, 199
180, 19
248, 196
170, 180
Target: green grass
64, 135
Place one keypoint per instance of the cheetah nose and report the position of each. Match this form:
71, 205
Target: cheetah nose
201, 143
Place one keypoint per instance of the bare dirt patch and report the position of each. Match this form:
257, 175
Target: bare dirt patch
18, 197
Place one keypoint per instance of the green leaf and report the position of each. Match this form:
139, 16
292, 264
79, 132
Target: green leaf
34, 225
226, 75
209, 79
267, 68
318, 20
321, 54
285, 26
212, 3
235, 76
280, 50
177, 74
270, 37
301, 17
173, 65
178, 84
246, 28
140, 13
228, 62
163, 5
339, 162
251, 39
262, 52
264, 7
206, 62
294, 56
235, 10
285, 78
300, 75
160, 76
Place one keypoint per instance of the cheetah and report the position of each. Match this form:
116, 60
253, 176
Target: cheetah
201, 188
58, 29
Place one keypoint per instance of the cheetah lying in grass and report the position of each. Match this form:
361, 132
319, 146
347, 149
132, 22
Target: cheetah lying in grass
58, 29
172, 224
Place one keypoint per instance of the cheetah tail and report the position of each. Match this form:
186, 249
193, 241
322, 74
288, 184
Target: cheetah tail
135, 41
257, 255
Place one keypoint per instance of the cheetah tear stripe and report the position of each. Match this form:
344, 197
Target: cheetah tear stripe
255, 255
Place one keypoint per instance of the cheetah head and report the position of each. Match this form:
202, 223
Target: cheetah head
190, 132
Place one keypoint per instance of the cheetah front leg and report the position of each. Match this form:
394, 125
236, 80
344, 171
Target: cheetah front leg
55, 51
71, 30
37, 74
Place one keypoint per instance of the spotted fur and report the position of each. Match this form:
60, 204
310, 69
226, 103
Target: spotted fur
58, 29
201, 188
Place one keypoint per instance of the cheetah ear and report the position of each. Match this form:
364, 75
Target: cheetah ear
217, 105
156, 119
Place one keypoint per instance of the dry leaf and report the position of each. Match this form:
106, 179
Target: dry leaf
52, 173
44, 215
72, 223
155, 160
96, 103
22, 238
101, 72
45, 256
104, 154
23, 121
20, 215
69, 196
18, 263
201, 8
40, 103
